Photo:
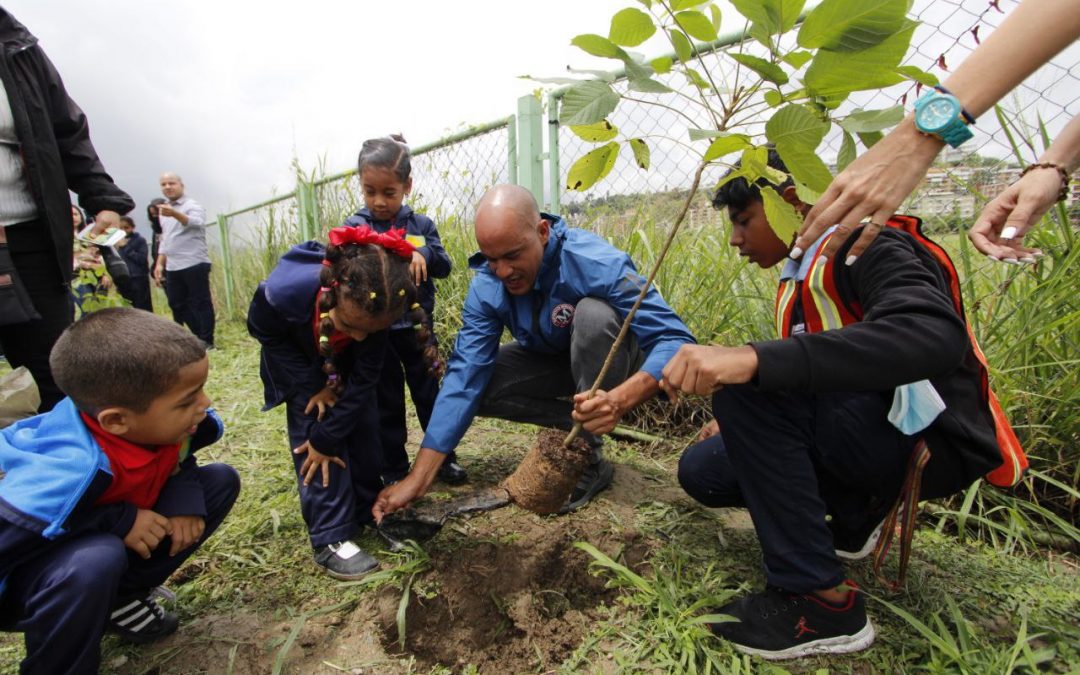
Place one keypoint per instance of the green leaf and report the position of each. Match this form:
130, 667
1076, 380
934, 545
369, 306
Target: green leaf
852, 25
774, 98
649, 86
806, 195
919, 75
783, 218
587, 103
662, 65
796, 133
725, 146
833, 73
630, 27
592, 166
754, 163
696, 79
868, 138
683, 49
699, 134
847, 152
873, 120
714, 16
768, 70
597, 132
597, 45
641, 153
798, 59
775, 16
696, 25
677, 5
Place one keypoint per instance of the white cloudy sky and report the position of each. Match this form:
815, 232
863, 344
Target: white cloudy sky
227, 92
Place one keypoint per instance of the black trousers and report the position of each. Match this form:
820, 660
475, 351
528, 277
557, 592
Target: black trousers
403, 364
791, 459
136, 290
188, 291
28, 344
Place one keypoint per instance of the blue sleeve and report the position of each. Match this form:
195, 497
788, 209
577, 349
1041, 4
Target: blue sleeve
658, 329
357, 406
438, 260
470, 369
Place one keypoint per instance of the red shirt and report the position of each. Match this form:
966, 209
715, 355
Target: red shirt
138, 472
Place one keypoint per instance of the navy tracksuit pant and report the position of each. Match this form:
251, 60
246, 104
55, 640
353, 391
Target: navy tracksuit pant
791, 458
61, 600
188, 291
403, 364
333, 513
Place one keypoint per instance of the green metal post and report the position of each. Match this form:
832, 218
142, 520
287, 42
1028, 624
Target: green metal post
226, 263
307, 208
512, 149
530, 146
555, 179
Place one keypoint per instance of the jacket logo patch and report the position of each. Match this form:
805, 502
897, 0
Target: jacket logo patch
562, 316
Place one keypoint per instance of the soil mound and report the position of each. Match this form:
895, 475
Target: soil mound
514, 604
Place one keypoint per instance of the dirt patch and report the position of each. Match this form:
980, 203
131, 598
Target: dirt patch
547, 475
508, 604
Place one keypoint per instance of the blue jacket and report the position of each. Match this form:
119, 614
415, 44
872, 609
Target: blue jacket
53, 472
281, 317
421, 231
576, 264
136, 254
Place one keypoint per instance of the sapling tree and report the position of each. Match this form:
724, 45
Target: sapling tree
787, 93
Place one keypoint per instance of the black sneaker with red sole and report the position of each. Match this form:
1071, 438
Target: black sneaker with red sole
777, 624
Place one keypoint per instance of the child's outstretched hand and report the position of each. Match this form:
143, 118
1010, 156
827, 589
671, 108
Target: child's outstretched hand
147, 532
316, 461
418, 267
322, 400
186, 531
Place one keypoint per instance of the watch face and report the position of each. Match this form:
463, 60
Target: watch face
937, 114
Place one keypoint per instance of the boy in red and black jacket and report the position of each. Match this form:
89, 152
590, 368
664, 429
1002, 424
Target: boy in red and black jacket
817, 428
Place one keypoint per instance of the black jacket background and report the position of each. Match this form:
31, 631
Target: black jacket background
55, 139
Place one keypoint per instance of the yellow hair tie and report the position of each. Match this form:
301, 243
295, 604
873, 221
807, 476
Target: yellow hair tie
324, 338
324, 315
415, 305
401, 292
373, 295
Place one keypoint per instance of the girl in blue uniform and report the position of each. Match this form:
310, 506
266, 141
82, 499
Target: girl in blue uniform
385, 171
322, 318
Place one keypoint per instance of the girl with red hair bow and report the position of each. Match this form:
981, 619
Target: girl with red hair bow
322, 318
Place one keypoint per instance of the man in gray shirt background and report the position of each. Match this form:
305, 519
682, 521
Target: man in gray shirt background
183, 259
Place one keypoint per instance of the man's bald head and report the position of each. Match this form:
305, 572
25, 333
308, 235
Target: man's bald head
507, 204
172, 186
512, 236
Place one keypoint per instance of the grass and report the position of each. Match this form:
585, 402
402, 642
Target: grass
969, 606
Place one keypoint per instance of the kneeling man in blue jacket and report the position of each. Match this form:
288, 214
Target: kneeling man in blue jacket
563, 293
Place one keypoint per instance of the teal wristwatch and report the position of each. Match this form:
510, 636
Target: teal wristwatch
939, 113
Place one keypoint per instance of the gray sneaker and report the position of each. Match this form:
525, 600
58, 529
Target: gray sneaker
345, 560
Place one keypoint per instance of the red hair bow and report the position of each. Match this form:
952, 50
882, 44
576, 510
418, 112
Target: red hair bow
392, 240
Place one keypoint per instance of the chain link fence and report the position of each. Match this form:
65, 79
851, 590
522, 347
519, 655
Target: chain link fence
965, 179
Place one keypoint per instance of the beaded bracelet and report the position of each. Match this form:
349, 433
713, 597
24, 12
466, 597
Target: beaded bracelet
1064, 194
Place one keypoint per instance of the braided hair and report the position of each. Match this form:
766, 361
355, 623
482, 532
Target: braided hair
378, 282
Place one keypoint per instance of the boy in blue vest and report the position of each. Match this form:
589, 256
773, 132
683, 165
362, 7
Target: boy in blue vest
100, 498
817, 428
